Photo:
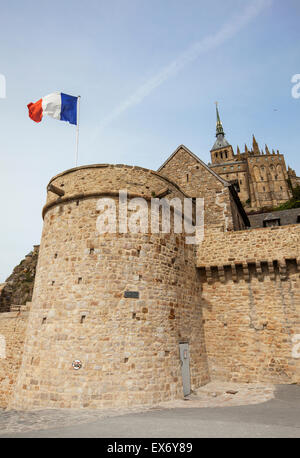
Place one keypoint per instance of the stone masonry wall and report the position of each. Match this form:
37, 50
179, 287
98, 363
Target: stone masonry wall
251, 304
196, 181
129, 348
12, 328
251, 246
105, 178
249, 329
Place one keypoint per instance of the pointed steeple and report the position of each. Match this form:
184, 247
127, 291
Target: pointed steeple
255, 146
267, 150
221, 142
246, 149
219, 130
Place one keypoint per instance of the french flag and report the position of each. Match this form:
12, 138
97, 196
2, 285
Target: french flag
57, 105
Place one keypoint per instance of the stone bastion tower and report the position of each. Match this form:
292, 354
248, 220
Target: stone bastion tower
109, 311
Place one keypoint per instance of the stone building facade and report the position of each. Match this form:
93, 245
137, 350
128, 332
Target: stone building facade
110, 312
261, 178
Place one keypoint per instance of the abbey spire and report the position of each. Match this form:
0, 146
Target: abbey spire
219, 129
221, 142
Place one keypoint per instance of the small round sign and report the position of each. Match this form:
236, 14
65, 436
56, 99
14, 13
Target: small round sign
77, 365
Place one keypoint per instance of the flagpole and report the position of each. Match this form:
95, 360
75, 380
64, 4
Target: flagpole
77, 130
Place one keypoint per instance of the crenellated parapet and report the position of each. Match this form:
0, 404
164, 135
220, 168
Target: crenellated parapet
272, 252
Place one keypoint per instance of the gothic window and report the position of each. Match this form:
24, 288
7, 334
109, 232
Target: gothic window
279, 171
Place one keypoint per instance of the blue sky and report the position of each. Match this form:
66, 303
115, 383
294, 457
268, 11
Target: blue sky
148, 73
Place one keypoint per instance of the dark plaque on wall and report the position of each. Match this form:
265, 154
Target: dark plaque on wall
132, 294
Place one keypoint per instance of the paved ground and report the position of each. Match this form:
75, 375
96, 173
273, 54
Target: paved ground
254, 411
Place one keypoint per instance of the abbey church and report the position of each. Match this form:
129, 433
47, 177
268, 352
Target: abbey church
262, 179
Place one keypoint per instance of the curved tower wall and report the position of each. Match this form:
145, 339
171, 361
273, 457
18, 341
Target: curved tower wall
128, 347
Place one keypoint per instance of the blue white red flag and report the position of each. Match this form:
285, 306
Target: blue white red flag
58, 105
